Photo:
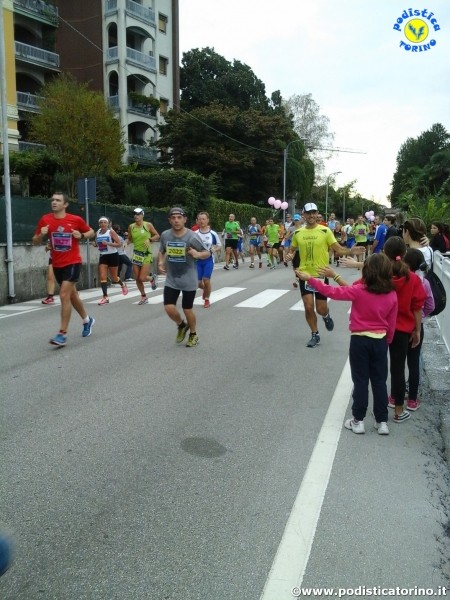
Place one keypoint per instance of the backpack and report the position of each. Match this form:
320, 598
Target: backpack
438, 291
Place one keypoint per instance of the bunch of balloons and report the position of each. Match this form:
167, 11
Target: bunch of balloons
277, 204
370, 215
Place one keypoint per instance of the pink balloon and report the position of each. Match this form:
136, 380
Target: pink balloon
367, 214
284, 205
371, 213
271, 200
371, 218
277, 204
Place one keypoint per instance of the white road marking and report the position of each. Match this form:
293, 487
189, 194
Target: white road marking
262, 299
291, 559
220, 294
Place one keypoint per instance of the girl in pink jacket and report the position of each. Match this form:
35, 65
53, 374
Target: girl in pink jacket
372, 324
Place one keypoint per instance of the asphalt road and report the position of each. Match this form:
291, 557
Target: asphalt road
135, 468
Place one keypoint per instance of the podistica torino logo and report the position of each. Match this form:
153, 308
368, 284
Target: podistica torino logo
418, 27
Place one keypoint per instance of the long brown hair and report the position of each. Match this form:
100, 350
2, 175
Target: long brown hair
395, 250
377, 274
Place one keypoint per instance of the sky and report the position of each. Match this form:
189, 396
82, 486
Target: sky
348, 55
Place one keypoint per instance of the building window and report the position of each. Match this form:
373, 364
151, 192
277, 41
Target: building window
163, 106
162, 23
163, 62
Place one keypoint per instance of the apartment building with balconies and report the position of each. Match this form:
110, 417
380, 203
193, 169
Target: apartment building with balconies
30, 28
128, 49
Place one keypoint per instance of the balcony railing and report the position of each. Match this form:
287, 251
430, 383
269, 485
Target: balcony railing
44, 10
141, 12
37, 55
27, 101
110, 6
145, 61
142, 153
134, 107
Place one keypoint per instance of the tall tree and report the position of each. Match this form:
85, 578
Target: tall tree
421, 168
310, 125
206, 77
244, 149
79, 128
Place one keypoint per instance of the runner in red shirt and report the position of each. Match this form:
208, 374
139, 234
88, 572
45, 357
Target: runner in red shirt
64, 232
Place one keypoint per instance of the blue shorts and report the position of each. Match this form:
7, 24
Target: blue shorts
205, 268
287, 243
255, 242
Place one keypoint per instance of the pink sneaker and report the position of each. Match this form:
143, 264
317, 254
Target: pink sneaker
48, 300
391, 402
207, 303
124, 290
103, 301
413, 404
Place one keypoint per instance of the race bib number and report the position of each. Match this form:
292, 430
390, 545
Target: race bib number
176, 252
61, 242
101, 243
138, 258
309, 288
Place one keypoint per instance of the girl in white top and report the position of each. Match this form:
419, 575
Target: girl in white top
107, 242
414, 232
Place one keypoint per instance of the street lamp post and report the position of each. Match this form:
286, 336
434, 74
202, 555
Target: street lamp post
285, 157
326, 193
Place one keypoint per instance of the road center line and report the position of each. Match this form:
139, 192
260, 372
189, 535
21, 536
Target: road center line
291, 559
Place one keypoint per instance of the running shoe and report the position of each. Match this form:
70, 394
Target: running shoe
355, 426
192, 340
143, 300
382, 428
236, 266
315, 339
153, 283
273, 267
251, 266
226, 267
403, 417
103, 301
285, 263
207, 303
48, 300
260, 265
413, 404
391, 402
295, 284
329, 323
59, 340
87, 327
182, 331
124, 290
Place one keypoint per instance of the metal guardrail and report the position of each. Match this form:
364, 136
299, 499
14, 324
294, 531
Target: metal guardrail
441, 266
142, 153
28, 101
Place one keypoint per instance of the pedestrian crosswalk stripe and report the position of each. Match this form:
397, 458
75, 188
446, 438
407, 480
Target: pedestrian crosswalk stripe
220, 294
262, 299
298, 306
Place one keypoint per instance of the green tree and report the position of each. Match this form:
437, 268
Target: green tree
421, 167
243, 149
206, 77
79, 128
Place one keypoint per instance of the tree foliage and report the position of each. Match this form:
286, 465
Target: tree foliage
207, 77
229, 128
242, 148
309, 124
79, 128
423, 166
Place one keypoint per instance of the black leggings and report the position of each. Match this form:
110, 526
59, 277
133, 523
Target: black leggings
398, 351
413, 359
